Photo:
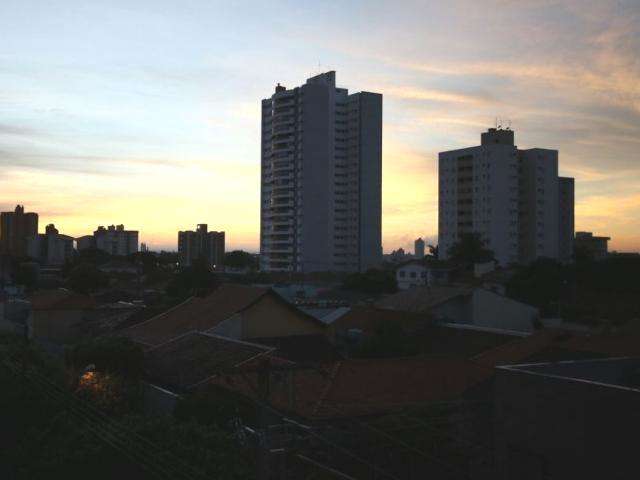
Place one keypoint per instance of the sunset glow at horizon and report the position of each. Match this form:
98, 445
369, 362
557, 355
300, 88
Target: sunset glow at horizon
147, 114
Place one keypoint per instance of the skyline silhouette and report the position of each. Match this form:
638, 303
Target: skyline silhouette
150, 115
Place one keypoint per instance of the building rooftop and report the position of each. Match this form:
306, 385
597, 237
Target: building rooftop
621, 373
196, 313
421, 299
190, 359
61, 299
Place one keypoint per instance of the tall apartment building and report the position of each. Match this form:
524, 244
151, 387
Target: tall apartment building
321, 178
202, 245
510, 197
15, 228
113, 239
50, 248
566, 195
418, 248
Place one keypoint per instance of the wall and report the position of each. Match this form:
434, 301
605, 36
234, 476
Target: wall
408, 281
555, 428
370, 166
496, 311
271, 318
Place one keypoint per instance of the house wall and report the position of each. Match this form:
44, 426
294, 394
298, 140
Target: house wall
271, 318
410, 276
268, 317
484, 308
496, 311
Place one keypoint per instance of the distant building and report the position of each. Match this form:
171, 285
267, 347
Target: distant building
201, 245
15, 228
50, 248
566, 195
418, 273
596, 247
510, 197
418, 248
114, 240
321, 170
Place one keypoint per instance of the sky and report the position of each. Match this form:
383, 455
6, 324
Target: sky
147, 113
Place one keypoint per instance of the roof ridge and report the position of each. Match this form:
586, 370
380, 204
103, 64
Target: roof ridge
323, 396
160, 314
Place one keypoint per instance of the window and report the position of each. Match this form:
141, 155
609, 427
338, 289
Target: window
402, 273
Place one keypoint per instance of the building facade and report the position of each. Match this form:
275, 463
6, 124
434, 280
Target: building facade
595, 247
418, 248
50, 248
15, 228
321, 178
510, 197
566, 195
114, 240
201, 245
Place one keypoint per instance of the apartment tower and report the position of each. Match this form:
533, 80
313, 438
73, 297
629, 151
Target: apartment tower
321, 178
512, 198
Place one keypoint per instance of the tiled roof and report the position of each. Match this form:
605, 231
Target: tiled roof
196, 313
194, 357
421, 299
61, 299
302, 348
368, 319
363, 387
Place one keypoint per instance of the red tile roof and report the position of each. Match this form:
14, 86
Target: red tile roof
363, 387
61, 299
194, 357
196, 313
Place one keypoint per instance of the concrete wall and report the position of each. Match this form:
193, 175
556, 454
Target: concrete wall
318, 172
410, 276
268, 317
271, 318
496, 311
554, 428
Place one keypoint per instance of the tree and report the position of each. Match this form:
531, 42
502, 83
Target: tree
240, 259
470, 249
433, 251
373, 281
87, 278
109, 355
195, 280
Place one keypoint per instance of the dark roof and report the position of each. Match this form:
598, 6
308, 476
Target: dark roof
368, 319
61, 299
196, 313
194, 357
421, 299
302, 348
363, 387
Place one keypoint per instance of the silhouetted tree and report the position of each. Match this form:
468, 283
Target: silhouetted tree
195, 280
86, 278
373, 281
240, 259
470, 249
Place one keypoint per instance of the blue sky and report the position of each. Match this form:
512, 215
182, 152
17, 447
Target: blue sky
148, 114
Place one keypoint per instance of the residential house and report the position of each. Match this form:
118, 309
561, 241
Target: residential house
234, 311
417, 273
465, 304
56, 315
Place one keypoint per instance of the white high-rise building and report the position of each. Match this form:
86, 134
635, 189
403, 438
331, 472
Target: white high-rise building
510, 197
321, 180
